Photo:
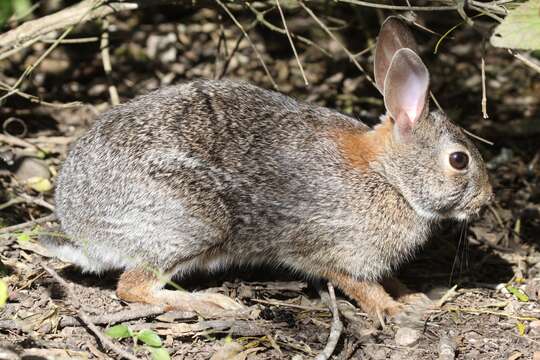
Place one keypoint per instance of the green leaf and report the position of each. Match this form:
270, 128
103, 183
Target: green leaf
521, 327
23, 237
149, 337
518, 293
6, 10
120, 331
39, 184
159, 353
4, 294
21, 8
520, 29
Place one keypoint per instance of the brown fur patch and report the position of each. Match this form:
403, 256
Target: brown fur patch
371, 296
360, 148
137, 285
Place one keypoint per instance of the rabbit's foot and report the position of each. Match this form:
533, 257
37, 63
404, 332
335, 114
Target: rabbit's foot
141, 286
415, 304
370, 296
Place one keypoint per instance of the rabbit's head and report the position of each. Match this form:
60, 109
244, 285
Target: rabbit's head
428, 158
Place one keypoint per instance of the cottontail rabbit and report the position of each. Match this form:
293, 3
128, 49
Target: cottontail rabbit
208, 174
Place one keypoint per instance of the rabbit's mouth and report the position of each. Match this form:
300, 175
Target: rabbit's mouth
474, 208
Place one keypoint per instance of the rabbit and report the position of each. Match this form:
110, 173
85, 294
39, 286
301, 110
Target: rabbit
216, 173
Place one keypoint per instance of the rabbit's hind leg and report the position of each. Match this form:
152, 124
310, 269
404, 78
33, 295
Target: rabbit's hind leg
139, 285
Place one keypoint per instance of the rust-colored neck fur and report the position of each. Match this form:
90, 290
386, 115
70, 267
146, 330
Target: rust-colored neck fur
360, 148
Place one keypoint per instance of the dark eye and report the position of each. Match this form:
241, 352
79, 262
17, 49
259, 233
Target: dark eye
459, 160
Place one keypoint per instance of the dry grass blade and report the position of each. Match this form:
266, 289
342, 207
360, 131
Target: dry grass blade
291, 42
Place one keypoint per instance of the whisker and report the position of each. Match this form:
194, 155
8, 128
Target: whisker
456, 255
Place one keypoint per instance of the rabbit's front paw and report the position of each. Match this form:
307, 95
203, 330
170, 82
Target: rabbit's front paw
415, 307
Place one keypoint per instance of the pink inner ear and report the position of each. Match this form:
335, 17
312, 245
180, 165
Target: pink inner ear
414, 97
406, 87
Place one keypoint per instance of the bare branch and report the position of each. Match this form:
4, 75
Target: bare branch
291, 42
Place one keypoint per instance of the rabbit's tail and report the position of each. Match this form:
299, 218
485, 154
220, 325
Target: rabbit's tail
60, 245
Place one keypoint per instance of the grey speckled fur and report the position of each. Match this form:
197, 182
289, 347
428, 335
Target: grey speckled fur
211, 173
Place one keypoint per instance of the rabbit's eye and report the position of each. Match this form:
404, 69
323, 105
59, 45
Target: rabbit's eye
459, 160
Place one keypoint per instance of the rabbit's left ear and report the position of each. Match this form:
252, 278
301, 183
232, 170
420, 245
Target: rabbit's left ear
406, 88
394, 36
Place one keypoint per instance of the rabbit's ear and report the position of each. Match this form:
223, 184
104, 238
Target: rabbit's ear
394, 35
406, 89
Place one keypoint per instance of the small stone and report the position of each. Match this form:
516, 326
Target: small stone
447, 348
27, 167
535, 327
407, 336
472, 355
399, 356
379, 354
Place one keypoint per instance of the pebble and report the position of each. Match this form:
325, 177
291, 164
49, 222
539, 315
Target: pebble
28, 167
407, 337
535, 327
447, 348
472, 354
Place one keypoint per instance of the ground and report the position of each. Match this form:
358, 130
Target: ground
493, 261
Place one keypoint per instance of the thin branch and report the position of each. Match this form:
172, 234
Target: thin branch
335, 330
239, 25
484, 96
229, 57
85, 318
27, 224
478, 137
527, 60
343, 47
36, 99
262, 20
107, 67
31, 68
291, 42
22, 35
398, 7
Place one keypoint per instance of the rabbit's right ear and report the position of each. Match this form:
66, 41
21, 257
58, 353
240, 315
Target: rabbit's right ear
406, 89
394, 35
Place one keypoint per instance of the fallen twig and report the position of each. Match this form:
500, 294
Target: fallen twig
335, 330
113, 318
85, 318
24, 225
